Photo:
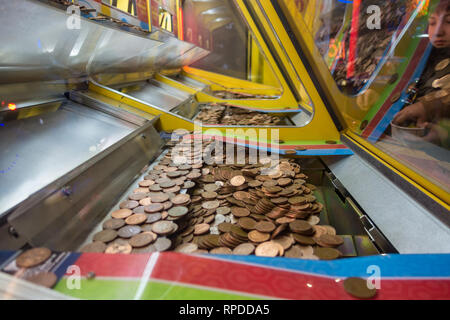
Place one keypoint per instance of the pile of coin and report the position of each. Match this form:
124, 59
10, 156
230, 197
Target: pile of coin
233, 95
155, 210
257, 208
228, 115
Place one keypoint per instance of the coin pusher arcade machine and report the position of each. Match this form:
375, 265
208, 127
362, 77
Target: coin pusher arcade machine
91, 91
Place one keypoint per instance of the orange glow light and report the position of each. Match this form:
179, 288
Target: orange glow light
12, 106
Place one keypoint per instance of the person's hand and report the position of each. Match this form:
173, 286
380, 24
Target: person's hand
435, 134
415, 114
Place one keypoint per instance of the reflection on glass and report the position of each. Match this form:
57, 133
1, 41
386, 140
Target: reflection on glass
391, 61
218, 26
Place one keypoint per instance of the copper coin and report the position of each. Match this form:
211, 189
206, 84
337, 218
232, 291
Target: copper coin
244, 249
181, 199
358, 288
290, 152
33, 257
136, 219
113, 224
167, 205
95, 247
304, 240
294, 252
255, 183
209, 195
247, 223
142, 239
131, 204
127, 232
155, 187
140, 209
121, 214
313, 220
301, 148
174, 189
300, 226
267, 249
297, 200
137, 196
145, 202
105, 235
330, 240
257, 236
178, 211
221, 250
159, 197
45, 279
116, 248
285, 241
327, 253
163, 227
154, 207
237, 181
146, 183
225, 227
223, 210
209, 205
187, 248
162, 244
265, 226
167, 184
270, 183
201, 229
284, 182
188, 184
154, 217
147, 249
240, 212
211, 187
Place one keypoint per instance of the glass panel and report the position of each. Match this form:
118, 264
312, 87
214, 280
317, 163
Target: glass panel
219, 27
391, 60
128, 6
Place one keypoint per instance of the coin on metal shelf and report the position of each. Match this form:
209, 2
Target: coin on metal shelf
130, 204
247, 223
209, 205
154, 207
244, 249
187, 248
154, 217
358, 288
202, 228
240, 212
33, 257
142, 239
181, 199
45, 279
290, 152
136, 219
113, 224
116, 248
121, 213
267, 249
163, 227
237, 181
94, 247
178, 211
159, 197
300, 226
162, 244
145, 202
221, 250
330, 240
256, 236
327, 253
128, 231
105, 235
265, 226
146, 183
293, 252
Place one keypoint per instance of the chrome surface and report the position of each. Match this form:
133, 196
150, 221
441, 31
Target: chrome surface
38, 150
62, 214
410, 227
45, 49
